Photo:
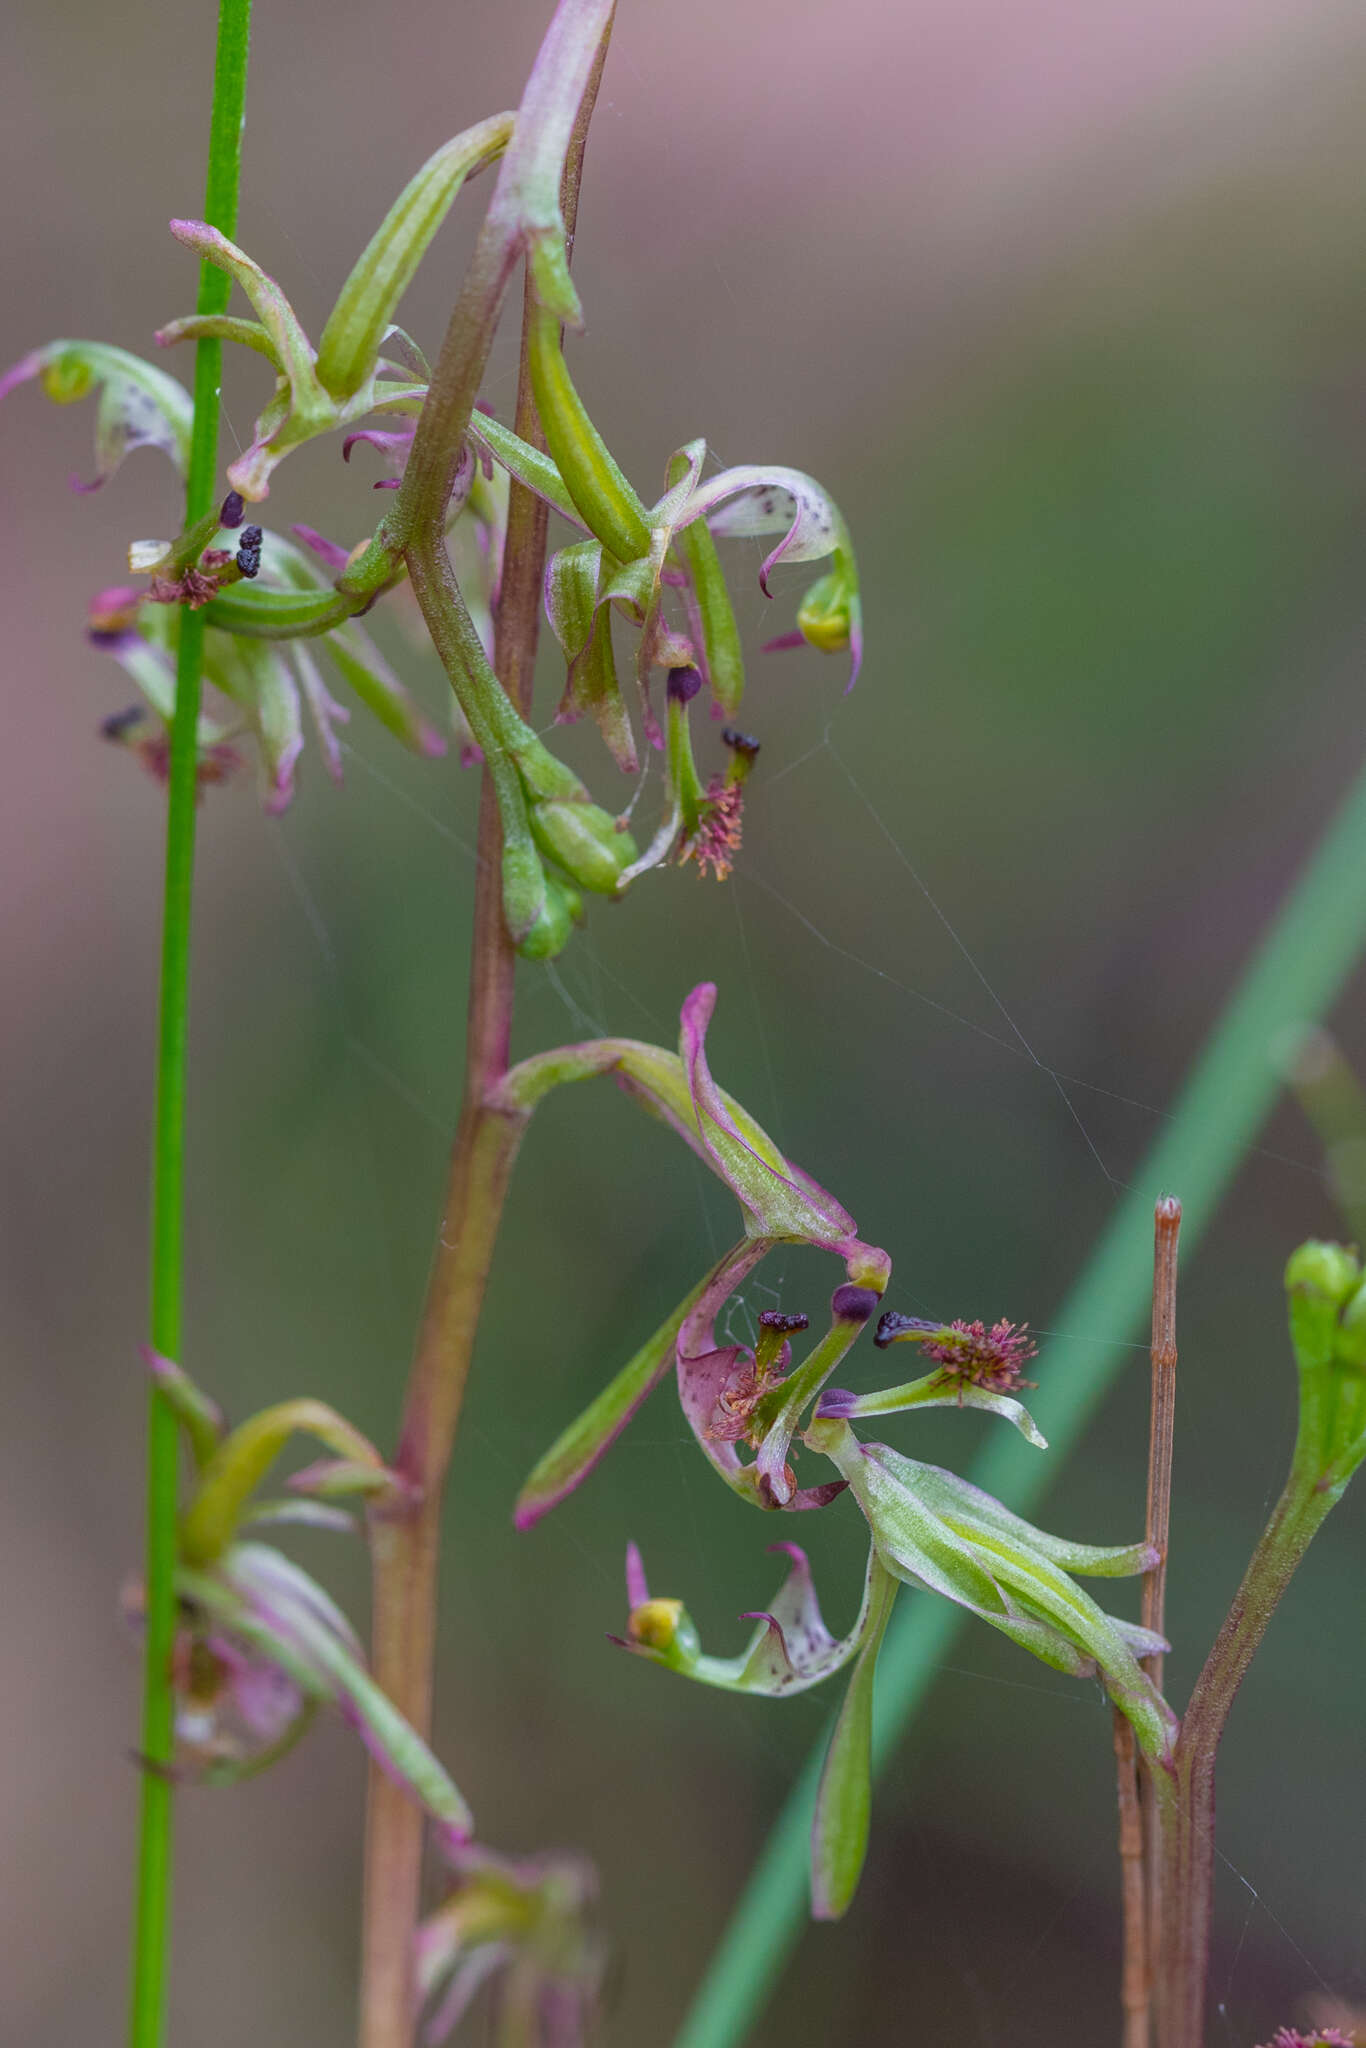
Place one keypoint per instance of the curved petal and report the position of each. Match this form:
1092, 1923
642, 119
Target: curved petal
776, 1202
139, 406
790, 1650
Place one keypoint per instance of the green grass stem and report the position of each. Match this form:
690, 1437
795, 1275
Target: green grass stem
151, 1936
1298, 970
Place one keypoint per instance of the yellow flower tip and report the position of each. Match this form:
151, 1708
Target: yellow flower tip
67, 379
655, 1623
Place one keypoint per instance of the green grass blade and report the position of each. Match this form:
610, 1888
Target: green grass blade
1297, 971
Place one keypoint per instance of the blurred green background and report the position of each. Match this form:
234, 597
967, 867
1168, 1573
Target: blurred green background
1067, 305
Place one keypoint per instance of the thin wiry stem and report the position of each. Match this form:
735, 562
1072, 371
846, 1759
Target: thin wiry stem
152, 1928
1157, 1529
1133, 1888
1138, 1819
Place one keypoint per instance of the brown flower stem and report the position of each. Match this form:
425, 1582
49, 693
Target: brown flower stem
405, 1545
1157, 1524
1137, 1816
1134, 1982
1185, 1791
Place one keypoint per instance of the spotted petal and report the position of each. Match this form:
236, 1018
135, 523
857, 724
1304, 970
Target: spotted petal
139, 405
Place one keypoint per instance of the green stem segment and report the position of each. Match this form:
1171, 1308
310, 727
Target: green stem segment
1297, 972
151, 1940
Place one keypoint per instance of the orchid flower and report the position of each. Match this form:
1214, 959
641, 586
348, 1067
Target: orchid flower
929, 1529
267, 684
519, 1925
139, 405
674, 549
260, 1644
791, 1650
779, 1205
346, 377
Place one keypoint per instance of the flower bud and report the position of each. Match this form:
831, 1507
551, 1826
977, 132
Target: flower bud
1318, 1280
1324, 1269
549, 933
586, 841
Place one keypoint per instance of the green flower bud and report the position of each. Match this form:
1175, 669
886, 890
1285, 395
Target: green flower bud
1318, 1279
561, 910
586, 841
1325, 1269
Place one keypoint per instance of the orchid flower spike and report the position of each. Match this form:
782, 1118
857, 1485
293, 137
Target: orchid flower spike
779, 1204
520, 1926
346, 377
260, 1646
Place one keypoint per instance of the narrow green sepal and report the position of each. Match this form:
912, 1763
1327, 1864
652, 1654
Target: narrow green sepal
839, 1828
365, 306
599, 490
582, 623
578, 1448
723, 661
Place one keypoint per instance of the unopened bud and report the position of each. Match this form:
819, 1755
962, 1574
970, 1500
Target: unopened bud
586, 842
1329, 1270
